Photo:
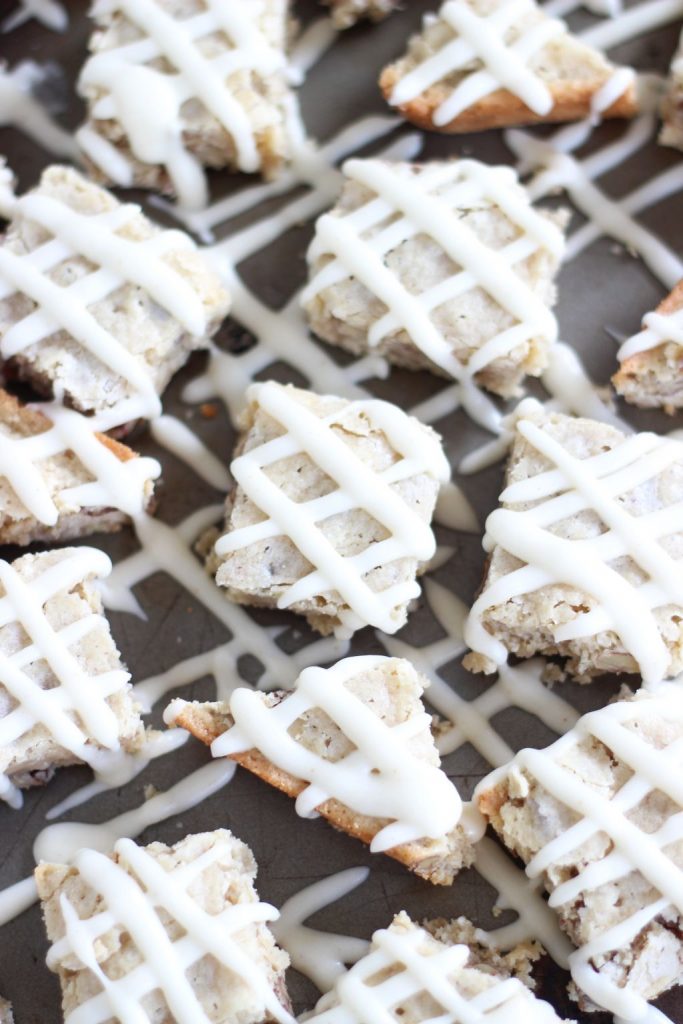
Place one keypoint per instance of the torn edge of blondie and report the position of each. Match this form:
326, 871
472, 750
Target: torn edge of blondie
199, 891
163, 141
62, 479
561, 79
568, 559
388, 816
346, 13
611, 881
460, 217
424, 958
331, 513
144, 298
74, 651
671, 133
650, 371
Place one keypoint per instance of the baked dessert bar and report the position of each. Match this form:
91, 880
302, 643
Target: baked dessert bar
481, 64
584, 552
174, 86
672, 103
167, 934
6, 1012
347, 12
330, 515
414, 974
443, 266
64, 693
651, 362
96, 302
61, 479
597, 816
352, 743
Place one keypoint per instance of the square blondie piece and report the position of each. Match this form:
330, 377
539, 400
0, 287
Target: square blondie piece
584, 551
650, 371
60, 479
672, 103
481, 64
597, 817
345, 725
443, 266
175, 86
331, 510
346, 13
178, 932
414, 974
97, 303
64, 693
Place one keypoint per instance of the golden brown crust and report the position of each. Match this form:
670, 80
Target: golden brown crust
208, 724
502, 109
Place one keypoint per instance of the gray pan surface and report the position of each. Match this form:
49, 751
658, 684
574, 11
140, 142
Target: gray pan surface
605, 287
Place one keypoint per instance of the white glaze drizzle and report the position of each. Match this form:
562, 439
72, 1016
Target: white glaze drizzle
118, 261
479, 50
132, 901
573, 486
381, 778
658, 329
409, 966
404, 205
154, 130
320, 956
357, 487
631, 849
115, 483
20, 109
74, 711
49, 13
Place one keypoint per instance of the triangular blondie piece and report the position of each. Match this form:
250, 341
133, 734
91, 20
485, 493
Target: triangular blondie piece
331, 512
672, 103
173, 88
65, 696
651, 362
415, 974
346, 13
443, 266
481, 64
164, 933
598, 817
61, 479
98, 303
584, 552
352, 743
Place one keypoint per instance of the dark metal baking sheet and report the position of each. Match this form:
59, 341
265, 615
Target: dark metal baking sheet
602, 288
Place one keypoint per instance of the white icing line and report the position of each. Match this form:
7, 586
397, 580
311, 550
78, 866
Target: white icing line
19, 109
49, 13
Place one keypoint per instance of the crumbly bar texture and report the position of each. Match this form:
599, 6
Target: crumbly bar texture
262, 573
160, 344
648, 957
60, 472
343, 313
226, 880
481, 971
32, 758
346, 13
572, 71
6, 1016
672, 103
393, 692
263, 98
525, 623
653, 378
